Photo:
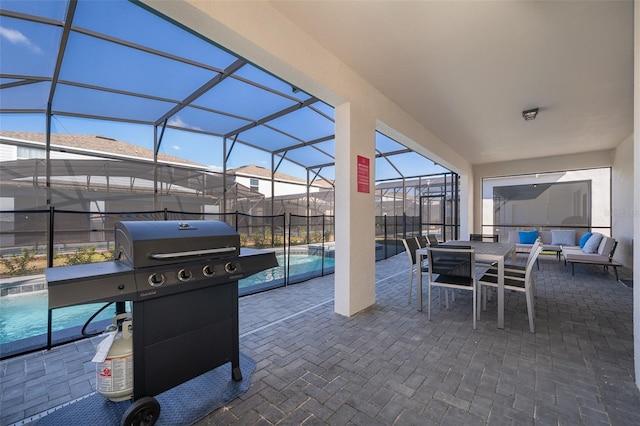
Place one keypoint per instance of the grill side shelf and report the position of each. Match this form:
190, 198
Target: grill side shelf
96, 282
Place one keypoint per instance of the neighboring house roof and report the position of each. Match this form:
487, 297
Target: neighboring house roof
91, 145
252, 170
94, 143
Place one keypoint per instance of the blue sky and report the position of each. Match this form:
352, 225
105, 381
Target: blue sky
100, 78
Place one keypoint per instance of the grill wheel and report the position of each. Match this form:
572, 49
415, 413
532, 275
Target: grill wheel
143, 412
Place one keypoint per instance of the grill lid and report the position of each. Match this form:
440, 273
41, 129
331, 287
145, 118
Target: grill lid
152, 243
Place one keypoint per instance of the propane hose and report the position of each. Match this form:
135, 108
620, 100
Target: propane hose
86, 324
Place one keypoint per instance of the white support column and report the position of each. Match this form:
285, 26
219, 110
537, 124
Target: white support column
466, 205
355, 210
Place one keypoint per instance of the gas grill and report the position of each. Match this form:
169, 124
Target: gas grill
182, 277
156, 259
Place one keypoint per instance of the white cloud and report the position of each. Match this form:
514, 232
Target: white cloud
176, 147
179, 122
17, 38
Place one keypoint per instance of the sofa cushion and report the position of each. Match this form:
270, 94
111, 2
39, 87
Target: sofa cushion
546, 237
513, 237
605, 246
528, 237
591, 246
583, 239
584, 257
563, 237
573, 251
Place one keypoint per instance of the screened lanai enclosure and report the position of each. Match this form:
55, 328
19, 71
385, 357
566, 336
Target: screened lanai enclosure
577, 200
102, 122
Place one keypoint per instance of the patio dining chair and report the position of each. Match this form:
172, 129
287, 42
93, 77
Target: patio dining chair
452, 267
432, 239
520, 269
515, 281
422, 241
411, 245
484, 237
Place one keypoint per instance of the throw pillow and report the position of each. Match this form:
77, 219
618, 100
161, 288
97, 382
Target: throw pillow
583, 239
528, 237
591, 246
563, 237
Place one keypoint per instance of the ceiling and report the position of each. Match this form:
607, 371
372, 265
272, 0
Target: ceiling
467, 70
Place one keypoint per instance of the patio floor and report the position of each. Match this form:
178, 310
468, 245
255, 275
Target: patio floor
389, 365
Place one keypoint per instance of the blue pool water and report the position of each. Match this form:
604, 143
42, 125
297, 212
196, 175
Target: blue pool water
298, 265
23, 316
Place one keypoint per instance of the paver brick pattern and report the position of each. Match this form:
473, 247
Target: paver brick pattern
388, 365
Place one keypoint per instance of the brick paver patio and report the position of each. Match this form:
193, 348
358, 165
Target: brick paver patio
389, 365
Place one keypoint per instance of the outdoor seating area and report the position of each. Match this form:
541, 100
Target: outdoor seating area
389, 365
552, 240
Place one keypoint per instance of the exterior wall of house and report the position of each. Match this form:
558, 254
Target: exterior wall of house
568, 205
622, 201
280, 187
8, 152
590, 160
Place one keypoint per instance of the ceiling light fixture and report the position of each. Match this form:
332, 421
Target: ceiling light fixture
530, 114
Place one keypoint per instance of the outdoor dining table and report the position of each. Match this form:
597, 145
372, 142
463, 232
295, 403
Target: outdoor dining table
488, 252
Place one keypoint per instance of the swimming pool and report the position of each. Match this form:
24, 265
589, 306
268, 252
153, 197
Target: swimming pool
299, 266
24, 316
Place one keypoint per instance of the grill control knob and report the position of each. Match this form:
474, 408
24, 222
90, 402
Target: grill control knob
156, 279
208, 271
230, 267
184, 275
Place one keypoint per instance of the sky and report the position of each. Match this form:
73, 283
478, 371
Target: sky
149, 72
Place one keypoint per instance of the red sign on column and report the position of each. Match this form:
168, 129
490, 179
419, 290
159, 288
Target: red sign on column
363, 174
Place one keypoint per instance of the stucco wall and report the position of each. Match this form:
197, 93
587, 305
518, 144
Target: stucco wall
622, 201
636, 182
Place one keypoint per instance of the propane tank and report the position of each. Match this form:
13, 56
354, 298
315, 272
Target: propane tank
114, 375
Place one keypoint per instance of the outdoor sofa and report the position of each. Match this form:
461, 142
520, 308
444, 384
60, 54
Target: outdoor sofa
553, 240
597, 250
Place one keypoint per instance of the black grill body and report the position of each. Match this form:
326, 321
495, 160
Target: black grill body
182, 277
